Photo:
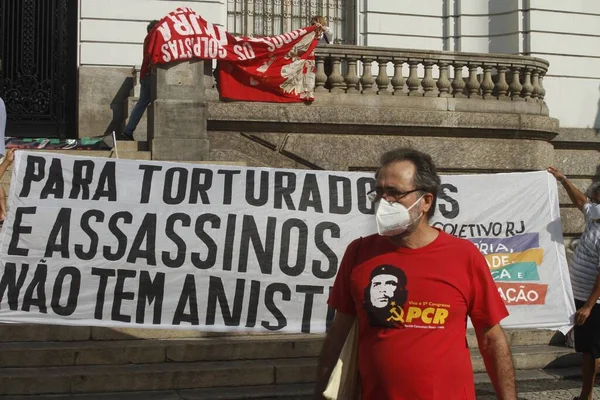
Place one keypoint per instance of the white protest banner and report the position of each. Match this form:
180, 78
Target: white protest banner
92, 241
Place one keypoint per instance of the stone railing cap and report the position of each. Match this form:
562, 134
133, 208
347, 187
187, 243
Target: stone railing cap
390, 54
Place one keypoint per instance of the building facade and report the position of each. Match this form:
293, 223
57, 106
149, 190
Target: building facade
69, 72
567, 34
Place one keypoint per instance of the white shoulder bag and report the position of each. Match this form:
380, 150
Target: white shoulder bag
344, 382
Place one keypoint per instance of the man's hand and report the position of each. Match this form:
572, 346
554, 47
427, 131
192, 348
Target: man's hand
578, 198
582, 314
9, 157
556, 173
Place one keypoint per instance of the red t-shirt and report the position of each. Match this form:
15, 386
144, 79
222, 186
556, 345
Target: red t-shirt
147, 60
412, 307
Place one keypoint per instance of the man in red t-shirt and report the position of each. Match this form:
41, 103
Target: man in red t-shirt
412, 287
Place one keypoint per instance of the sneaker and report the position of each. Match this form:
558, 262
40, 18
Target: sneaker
127, 137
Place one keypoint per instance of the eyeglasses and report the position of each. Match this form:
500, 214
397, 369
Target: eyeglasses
376, 195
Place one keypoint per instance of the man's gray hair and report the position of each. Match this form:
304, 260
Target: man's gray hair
426, 178
594, 189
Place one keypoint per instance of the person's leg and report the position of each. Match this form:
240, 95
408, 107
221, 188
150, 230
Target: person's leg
138, 110
587, 342
588, 376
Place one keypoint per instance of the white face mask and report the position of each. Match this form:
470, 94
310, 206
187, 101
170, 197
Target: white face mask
393, 218
595, 211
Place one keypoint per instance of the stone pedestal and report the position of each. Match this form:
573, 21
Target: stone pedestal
177, 128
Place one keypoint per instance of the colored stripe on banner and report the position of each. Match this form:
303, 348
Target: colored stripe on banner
525, 271
522, 294
506, 245
500, 260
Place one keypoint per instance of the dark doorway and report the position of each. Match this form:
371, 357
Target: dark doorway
38, 79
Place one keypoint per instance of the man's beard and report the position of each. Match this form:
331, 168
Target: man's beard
415, 216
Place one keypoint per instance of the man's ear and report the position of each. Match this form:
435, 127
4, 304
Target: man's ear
427, 202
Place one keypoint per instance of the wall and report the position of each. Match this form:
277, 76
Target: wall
413, 24
112, 34
567, 33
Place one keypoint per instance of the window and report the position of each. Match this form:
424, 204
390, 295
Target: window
273, 17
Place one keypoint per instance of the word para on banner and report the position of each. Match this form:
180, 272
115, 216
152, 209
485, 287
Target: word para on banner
119, 298
284, 190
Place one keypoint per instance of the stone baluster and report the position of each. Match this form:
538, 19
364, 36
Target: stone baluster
501, 84
527, 86
398, 79
336, 80
352, 77
473, 83
515, 84
428, 82
366, 80
458, 83
487, 86
535, 81
542, 92
320, 77
413, 81
383, 80
443, 83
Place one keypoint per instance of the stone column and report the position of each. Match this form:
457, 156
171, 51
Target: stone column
398, 79
352, 80
443, 83
178, 114
383, 80
320, 76
413, 81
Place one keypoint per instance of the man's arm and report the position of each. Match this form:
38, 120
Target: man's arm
2, 203
332, 347
578, 198
497, 357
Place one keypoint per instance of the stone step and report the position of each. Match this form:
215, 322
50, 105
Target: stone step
58, 333
75, 348
52, 354
131, 145
172, 375
138, 377
534, 357
278, 391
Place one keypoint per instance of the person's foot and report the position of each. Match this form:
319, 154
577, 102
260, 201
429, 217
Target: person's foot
125, 136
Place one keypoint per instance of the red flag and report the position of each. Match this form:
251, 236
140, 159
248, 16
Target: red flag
274, 69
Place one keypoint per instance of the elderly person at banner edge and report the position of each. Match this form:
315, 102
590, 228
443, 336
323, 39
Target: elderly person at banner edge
412, 287
145, 89
584, 269
6, 162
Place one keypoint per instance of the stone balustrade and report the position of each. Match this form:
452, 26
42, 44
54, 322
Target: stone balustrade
489, 76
